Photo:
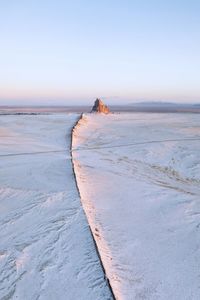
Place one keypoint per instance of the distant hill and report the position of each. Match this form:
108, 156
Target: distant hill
162, 104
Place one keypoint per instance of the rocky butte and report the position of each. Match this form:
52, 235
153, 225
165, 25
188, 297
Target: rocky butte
100, 107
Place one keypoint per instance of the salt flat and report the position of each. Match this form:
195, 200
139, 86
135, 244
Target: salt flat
46, 249
139, 178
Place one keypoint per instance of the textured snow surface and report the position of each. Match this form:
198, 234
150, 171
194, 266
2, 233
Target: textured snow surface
46, 248
139, 178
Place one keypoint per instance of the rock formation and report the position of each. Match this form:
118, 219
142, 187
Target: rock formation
100, 107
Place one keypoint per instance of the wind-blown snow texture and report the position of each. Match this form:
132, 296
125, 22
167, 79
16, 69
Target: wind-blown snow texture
46, 248
139, 181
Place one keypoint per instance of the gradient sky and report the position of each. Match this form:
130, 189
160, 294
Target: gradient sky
65, 52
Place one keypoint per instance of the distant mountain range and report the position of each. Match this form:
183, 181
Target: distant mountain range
163, 104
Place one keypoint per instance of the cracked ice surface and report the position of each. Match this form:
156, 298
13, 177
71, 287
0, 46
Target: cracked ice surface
140, 186
46, 249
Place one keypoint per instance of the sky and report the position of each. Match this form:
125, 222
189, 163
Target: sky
70, 52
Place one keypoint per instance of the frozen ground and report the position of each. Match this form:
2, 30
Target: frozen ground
139, 178
46, 249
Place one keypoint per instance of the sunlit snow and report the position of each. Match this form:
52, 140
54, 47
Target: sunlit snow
139, 178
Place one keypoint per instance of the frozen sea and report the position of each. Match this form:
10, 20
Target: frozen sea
139, 179
46, 248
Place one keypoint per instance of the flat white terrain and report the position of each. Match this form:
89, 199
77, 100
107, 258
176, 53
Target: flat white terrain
46, 249
139, 178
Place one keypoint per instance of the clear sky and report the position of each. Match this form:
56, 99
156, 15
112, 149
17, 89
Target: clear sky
65, 52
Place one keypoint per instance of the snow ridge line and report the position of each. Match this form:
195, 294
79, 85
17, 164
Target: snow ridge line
92, 234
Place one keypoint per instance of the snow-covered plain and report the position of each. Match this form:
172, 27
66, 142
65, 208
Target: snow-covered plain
46, 248
139, 179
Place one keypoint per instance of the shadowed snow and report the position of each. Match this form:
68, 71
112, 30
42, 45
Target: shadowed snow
46, 249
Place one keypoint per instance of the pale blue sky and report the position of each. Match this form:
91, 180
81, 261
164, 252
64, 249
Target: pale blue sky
65, 52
